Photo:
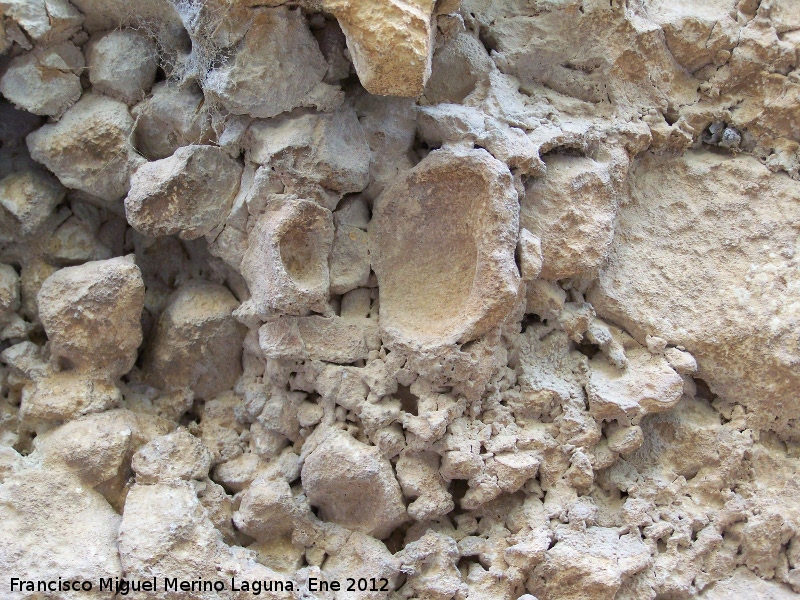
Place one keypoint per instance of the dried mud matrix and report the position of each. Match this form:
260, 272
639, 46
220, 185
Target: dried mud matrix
404, 299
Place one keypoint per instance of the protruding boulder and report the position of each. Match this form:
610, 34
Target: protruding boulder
286, 263
332, 339
277, 67
42, 81
442, 243
198, 343
571, 210
90, 148
324, 149
92, 315
352, 484
122, 64
172, 117
189, 193
390, 42
30, 196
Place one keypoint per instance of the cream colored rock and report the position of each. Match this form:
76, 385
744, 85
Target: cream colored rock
647, 385
30, 196
198, 343
286, 263
45, 21
46, 515
442, 245
352, 485
277, 67
390, 43
172, 117
323, 149
103, 337
42, 82
572, 212
734, 316
177, 455
90, 148
122, 64
189, 193
332, 339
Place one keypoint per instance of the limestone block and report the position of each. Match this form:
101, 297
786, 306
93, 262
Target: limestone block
172, 117
429, 564
364, 557
9, 292
122, 64
529, 250
197, 343
267, 509
46, 515
47, 21
277, 67
41, 82
332, 339
90, 148
442, 245
390, 43
286, 263
103, 336
177, 455
671, 275
418, 474
571, 210
353, 485
647, 385
349, 260
326, 149
30, 196
190, 193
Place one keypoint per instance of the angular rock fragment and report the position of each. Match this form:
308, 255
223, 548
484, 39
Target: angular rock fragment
277, 67
102, 337
571, 210
189, 193
390, 43
198, 343
353, 485
122, 64
647, 385
45, 21
46, 515
172, 117
442, 243
325, 149
178, 455
331, 339
30, 196
43, 82
90, 148
286, 263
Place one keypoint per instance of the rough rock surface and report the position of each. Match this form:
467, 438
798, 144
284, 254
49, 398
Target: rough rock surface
486, 300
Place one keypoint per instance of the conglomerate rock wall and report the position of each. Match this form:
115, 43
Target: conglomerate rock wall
495, 299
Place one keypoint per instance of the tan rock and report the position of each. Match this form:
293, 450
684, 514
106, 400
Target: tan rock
671, 275
332, 339
103, 337
122, 64
177, 455
353, 485
571, 210
46, 515
286, 263
390, 43
30, 196
198, 343
443, 241
90, 148
189, 193
41, 82
277, 67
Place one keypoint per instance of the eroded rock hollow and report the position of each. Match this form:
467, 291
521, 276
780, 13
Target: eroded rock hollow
486, 300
